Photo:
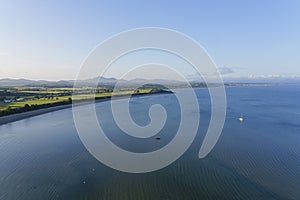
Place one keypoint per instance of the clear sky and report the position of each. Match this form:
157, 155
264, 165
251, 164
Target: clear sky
50, 39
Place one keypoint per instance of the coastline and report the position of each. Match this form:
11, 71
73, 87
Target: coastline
23, 115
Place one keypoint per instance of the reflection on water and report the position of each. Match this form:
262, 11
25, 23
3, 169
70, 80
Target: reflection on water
43, 158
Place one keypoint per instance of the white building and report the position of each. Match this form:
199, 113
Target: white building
8, 100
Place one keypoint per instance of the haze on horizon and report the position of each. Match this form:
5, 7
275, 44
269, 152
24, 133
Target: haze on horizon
50, 39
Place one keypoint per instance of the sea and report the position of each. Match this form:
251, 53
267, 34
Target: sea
42, 157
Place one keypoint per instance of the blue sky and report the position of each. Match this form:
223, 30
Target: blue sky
50, 39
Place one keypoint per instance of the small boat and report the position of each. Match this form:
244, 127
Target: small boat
157, 138
241, 119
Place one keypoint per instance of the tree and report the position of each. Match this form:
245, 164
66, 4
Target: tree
26, 107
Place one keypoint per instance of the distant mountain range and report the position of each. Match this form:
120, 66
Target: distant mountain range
32, 83
110, 82
104, 82
263, 79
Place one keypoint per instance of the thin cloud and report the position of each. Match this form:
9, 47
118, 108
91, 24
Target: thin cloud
239, 68
225, 70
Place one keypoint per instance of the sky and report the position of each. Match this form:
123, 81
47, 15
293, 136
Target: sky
50, 39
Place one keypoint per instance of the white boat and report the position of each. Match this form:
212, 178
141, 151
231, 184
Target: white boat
241, 119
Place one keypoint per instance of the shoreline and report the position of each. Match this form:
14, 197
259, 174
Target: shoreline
27, 114
23, 115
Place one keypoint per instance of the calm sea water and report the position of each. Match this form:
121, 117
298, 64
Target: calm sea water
43, 158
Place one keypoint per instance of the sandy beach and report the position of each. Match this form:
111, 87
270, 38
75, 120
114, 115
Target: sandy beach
19, 116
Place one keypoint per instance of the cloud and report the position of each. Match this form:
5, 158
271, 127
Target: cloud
225, 70
239, 68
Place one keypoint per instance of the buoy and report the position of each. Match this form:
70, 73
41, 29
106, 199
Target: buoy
241, 119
